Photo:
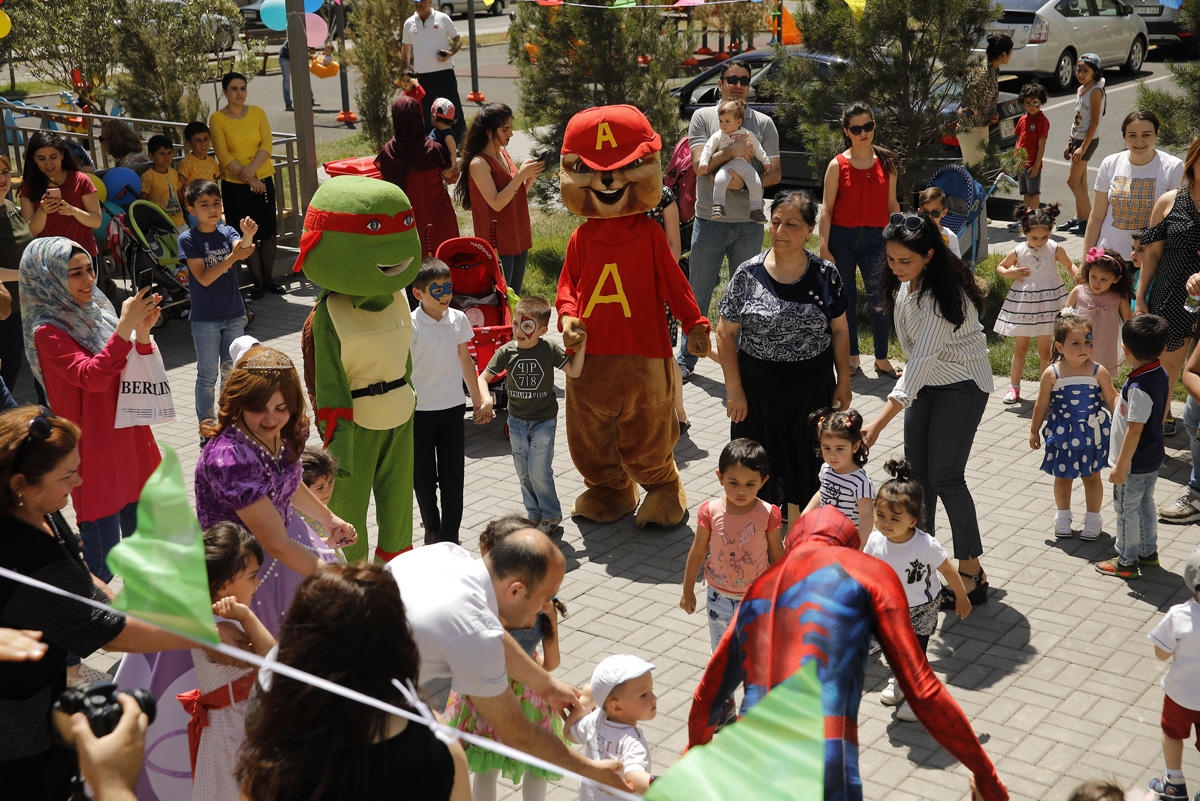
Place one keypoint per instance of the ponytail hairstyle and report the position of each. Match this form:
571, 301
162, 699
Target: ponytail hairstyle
1112, 261
847, 425
859, 107
901, 490
1041, 217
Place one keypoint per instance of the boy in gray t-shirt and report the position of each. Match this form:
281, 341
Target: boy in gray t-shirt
532, 405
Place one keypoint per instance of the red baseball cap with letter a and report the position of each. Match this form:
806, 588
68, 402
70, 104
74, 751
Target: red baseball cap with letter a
609, 137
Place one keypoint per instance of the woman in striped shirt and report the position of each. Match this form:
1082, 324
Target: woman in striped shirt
936, 304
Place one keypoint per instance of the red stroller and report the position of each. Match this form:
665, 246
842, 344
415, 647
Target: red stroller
481, 293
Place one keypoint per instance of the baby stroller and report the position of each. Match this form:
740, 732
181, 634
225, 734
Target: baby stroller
965, 204
481, 293
145, 246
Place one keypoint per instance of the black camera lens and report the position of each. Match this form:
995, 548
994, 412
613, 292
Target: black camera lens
98, 702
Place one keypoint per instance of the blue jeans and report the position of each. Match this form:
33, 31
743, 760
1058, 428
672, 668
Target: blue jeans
99, 537
212, 340
721, 609
1191, 421
533, 456
712, 242
1137, 520
285, 67
513, 268
861, 248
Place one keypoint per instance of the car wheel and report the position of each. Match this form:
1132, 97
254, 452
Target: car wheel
497, 8
1064, 70
1137, 55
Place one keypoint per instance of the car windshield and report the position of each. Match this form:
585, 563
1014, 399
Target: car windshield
1023, 5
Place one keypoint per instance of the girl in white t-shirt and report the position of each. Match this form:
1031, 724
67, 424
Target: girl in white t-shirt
843, 481
915, 556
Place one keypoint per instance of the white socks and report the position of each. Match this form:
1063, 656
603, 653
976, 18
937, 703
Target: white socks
1091, 526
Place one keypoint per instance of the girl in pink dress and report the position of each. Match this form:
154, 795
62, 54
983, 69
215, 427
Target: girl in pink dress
1102, 296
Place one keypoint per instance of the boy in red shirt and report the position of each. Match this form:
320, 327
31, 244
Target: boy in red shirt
1032, 129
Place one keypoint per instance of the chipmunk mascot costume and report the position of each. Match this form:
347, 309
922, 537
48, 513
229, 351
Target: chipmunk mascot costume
618, 272
360, 246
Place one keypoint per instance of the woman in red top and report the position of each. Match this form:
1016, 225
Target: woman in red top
57, 197
77, 347
493, 189
860, 196
416, 164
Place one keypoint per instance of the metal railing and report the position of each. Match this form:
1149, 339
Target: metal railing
19, 121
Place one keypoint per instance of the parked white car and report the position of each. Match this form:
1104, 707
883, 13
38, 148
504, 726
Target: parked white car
1049, 35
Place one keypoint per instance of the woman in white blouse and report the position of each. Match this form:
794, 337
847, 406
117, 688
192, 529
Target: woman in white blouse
944, 389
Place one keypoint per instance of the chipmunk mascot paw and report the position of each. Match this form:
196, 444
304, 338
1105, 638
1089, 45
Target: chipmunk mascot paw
618, 272
361, 247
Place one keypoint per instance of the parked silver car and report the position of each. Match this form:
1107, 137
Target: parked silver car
1049, 35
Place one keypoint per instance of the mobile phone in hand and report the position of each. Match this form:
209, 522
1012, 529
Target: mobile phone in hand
443, 52
54, 193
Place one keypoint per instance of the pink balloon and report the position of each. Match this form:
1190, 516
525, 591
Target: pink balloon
315, 30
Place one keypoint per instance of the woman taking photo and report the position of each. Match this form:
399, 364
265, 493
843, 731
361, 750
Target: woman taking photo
241, 139
1171, 244
416, 164
860, 192
250, 473
945, 387
781, 334
57, 197
333, 630
981, 90
493, 189
39, 469
77, 347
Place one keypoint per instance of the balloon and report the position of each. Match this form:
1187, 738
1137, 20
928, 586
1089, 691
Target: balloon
123, 185
274, 14
315, 30
312, 6
101, 189
5, 25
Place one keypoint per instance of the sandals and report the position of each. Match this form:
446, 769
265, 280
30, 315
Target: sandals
977, 596
892, 372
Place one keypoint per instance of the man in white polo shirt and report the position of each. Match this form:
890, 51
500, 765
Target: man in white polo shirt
459, 606
428, 43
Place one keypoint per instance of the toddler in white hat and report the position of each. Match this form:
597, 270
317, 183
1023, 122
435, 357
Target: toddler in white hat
623, 691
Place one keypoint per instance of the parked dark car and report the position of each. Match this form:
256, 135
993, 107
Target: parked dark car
1165, 29
795, 157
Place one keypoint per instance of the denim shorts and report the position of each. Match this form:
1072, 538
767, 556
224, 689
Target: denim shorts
1073, 145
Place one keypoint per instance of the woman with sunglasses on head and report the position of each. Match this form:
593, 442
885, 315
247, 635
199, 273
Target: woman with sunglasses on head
77, 346
860, 192
39, 470
944, 391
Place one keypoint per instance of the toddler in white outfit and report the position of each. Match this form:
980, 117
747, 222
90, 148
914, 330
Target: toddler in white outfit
730, 116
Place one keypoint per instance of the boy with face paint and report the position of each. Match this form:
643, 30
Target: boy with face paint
532, 407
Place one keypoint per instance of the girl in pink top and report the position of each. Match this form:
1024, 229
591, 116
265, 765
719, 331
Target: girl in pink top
737, 537
1102, 296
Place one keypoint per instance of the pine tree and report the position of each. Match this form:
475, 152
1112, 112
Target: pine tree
376, 56
1178, 110
903, 57
573, 57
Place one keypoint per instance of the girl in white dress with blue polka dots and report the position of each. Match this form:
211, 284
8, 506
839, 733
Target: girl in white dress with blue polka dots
1075, 401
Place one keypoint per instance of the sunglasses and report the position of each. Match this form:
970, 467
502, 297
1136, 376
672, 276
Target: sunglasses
439, 291
913, 222
866, 127
40, 429
933, 214
737, 80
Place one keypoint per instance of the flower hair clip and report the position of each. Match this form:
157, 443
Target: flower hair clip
1094, 255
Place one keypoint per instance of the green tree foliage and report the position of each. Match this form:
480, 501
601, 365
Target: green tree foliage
164, 49
571, 58
76, 36
1179, 110
376, 56
903, 57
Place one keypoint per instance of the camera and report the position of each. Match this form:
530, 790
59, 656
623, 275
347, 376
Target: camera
98, 701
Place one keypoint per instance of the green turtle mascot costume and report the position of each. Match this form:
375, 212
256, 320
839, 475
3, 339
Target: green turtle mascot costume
361, 247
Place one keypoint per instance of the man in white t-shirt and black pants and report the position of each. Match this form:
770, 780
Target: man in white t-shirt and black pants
428, 43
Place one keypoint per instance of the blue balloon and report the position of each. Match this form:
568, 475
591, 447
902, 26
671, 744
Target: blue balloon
313, 6
123, 186
274, 14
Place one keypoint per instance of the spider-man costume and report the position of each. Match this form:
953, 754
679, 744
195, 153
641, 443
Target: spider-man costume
823, 602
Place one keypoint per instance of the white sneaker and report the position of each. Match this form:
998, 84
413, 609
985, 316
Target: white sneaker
1186, 509
892, 695
905, 712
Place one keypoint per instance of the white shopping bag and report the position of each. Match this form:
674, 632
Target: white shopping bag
144, 397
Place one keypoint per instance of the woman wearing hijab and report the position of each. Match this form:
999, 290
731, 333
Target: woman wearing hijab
77, 346
416, 163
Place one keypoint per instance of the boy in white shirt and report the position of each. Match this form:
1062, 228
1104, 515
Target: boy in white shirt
1175, 638
932, 203
730, 116
623, 692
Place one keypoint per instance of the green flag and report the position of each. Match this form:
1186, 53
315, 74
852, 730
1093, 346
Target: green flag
623, 4
776, 750
162, 564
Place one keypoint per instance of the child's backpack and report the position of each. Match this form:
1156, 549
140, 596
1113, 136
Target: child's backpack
681, 179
